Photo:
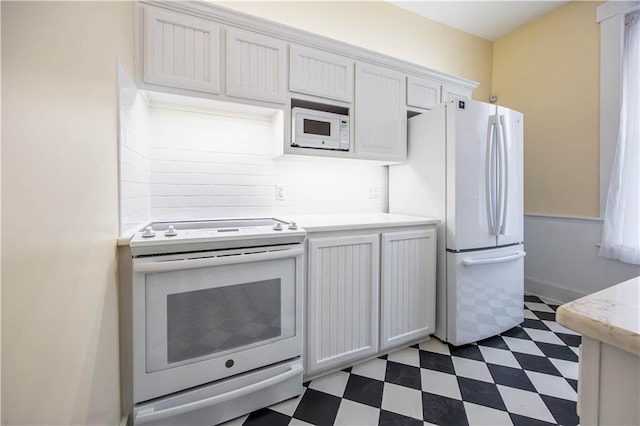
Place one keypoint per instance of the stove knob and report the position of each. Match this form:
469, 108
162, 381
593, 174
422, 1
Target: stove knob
171, 232
277, 227
148, 232
292, 226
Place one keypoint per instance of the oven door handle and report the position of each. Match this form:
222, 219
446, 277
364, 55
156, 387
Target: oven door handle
149, 415
178, 265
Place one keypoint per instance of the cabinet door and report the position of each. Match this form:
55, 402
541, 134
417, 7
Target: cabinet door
256, 66
408, 286
454, 93
319, 73
181, 51
422, 92
380, 113
342, 300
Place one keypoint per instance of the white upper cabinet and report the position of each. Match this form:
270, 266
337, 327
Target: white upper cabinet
181, 51
256, 66
380, 113
320, 73
422, 92
455, 93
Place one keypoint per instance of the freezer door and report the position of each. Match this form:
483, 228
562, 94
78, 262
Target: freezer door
471, 177
485, 293
510, 177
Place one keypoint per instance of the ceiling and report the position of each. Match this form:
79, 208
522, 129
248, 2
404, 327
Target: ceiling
487, 19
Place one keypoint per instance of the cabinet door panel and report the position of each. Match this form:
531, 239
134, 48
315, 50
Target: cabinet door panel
453, 93
342, 318
408, 286
380, 113
422, 92
319, 73
181, 51
256, 66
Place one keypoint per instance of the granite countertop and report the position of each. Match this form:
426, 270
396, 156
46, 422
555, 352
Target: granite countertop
348, 221
611, 315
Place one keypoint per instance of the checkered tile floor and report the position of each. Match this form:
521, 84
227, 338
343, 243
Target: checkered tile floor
526, 376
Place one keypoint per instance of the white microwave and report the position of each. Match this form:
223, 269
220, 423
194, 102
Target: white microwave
319, 129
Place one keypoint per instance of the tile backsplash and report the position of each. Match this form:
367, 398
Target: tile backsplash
212, 164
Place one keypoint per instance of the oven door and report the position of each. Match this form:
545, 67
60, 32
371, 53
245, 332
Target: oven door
206, 316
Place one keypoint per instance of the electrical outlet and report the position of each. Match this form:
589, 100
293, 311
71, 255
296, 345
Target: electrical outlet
280, 192
373, 193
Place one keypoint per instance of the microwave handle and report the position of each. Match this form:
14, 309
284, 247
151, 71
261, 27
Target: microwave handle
177, 265
149, 415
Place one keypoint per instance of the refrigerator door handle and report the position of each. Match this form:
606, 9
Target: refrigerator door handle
491, 131
500, 174
504, 176
475, 262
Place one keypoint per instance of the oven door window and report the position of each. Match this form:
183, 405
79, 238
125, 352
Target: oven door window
198, 314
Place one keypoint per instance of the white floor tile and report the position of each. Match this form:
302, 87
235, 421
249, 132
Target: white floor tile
375, 369
552, 385
481, 415
499, 356
333, 384
540, 307
543, 336
238, 421
555, 327
435, 345
440, 383
522, 346
298, 422
352, 413
530, 315
409, 356
402, 400
568, 369
471, 369
289, 406
575, 350
525, 403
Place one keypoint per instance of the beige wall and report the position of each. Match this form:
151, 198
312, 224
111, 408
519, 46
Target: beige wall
59, 210
384, 28
550, 70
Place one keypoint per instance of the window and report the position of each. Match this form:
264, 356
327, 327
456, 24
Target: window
621, 231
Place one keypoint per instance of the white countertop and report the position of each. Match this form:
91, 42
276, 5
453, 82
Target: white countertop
611, 315
346, 221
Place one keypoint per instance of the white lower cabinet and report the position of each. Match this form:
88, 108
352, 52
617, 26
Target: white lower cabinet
342, 316
362, 298
408, 286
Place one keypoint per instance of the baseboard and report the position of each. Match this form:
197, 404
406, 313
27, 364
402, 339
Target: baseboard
550, 291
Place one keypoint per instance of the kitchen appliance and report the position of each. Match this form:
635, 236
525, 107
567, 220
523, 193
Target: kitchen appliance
319, 129
215, 319
465, 162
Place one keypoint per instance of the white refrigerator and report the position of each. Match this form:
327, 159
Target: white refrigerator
465, 166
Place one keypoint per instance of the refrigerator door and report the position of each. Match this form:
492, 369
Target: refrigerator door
510, 177
485, 290
471, 175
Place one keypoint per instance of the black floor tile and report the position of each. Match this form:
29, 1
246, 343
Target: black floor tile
557, 351
512, 377
526, 421
387, 418
442, 410
529, 298
573, 383
466, 351
536, 363
347, 370
435, 361
546, 316
570, 339
537, 324
266, 417
481, 393
496, 342
554, 307
403, 375
317, 408
517, 332
562, 410
364, 390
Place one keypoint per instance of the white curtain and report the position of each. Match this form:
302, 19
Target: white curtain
621, 232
